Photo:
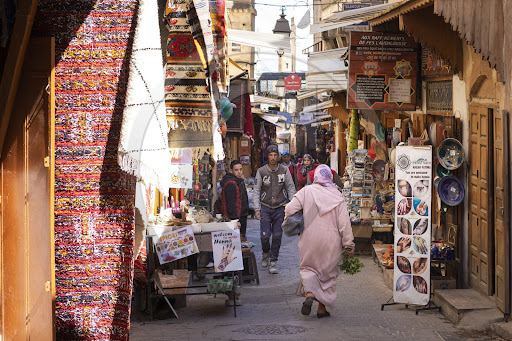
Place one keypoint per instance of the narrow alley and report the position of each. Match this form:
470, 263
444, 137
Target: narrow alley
271, 311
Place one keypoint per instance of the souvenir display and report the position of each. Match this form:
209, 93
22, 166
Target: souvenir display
450, 154
451, 190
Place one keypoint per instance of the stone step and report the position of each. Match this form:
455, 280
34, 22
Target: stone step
467, 308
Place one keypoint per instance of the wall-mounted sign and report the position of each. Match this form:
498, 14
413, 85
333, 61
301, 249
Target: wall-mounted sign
382, 71
362, 26
292, 82
433, 65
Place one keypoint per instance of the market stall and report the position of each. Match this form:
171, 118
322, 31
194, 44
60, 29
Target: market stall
403, 179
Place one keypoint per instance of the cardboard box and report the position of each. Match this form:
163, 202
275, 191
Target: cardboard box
443, 282
362, 231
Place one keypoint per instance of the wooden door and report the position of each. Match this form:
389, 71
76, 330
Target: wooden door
27, 199
501, 214
481, 262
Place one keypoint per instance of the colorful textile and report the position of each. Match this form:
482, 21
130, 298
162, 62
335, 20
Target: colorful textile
94, 199
143, 146
248, 124
201, 26
187, 98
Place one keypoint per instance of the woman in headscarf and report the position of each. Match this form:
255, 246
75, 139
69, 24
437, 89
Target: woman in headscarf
326, 231
304, 168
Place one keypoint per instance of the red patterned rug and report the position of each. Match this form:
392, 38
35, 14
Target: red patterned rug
94, 201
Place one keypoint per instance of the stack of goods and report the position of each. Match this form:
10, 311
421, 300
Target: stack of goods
360, 173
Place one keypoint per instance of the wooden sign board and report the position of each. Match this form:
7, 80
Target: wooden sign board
382, 71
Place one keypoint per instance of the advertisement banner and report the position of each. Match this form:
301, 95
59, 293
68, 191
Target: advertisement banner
176, 244
227, 251
413, 209
382, 71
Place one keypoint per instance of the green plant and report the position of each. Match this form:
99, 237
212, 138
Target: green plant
350, 265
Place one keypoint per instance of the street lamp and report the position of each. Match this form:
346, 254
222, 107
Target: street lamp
280, 88
282, 27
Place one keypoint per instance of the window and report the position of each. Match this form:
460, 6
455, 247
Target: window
439, 95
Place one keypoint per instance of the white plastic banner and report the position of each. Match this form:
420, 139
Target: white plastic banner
413, 209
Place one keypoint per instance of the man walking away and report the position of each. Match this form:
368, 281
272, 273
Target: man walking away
292, 167
234, 201
273, 185
322, 160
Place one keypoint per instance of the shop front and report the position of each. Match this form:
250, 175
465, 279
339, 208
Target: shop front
465, 111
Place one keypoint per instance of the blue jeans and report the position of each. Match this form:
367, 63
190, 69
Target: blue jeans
270, 225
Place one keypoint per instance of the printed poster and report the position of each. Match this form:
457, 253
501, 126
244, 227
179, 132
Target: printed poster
413, 209
181, 176
227, 251
181, 155
176, 244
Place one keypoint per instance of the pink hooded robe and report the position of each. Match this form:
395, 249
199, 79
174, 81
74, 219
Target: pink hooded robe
326, 229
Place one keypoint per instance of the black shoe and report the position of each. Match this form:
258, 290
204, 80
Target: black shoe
326, 314
306, 306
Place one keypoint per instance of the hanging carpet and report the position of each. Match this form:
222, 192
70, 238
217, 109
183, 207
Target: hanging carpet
94, 199
187, 99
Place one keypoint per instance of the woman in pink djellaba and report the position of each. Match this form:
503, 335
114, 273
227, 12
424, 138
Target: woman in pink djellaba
326, 232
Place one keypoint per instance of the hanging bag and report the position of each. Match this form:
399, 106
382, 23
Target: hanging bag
294, 224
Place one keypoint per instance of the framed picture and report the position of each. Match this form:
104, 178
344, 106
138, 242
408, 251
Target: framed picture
244, 147
451, 234
245, 159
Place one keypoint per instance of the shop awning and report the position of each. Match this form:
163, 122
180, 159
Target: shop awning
318, 106
346, 18
255, 100
259, 39
303, 94
327, 70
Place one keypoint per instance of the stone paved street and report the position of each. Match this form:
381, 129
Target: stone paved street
271, 311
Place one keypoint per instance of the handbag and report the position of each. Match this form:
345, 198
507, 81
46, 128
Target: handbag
294, 224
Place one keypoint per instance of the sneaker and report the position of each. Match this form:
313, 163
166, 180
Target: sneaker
272, 268
264, 260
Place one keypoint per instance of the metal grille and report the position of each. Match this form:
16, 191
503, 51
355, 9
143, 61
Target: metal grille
439, 95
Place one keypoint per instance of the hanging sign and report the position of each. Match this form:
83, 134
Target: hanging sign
227, 251
181, 176
292, 82
176, 244
413, 209
382, 71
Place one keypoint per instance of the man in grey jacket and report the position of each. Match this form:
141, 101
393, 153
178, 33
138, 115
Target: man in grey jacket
274, 184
